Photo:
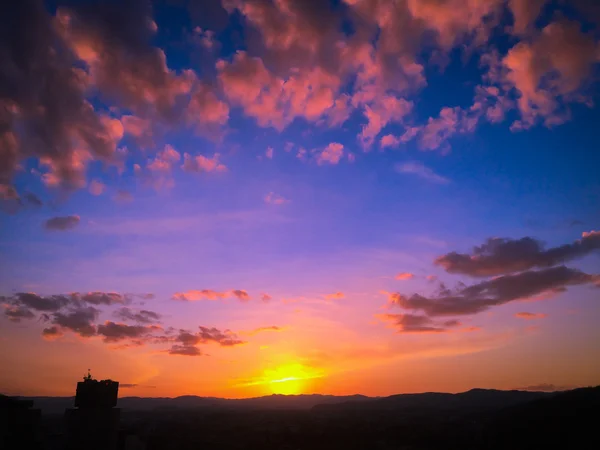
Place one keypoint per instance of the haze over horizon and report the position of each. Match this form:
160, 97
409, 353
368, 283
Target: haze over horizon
234, 198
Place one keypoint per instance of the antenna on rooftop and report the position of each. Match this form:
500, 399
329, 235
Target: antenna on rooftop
88, 377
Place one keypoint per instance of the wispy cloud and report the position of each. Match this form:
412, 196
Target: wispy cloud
418, 169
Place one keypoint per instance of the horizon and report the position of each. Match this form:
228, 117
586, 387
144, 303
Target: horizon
239, 198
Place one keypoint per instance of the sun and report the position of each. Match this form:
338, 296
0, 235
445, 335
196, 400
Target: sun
288, 379
287, 386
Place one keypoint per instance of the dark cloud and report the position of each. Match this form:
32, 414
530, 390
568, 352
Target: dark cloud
100, 298
49, 303
143, 316
185, 350
207, 335
52, 332
497, 291
241, 295
115, 332
17, 313
80, 321
411, 323
224, 338
127, 385
499, 256
32, 199
62, 223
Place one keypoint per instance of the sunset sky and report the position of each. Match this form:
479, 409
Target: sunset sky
244, 197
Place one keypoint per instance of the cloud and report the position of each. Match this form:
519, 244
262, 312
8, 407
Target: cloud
17, 313
62, 223
195, 295
45, 113
52, 333
550, 71
122, 64
411, 323
185, 350
80, 320
276, 101
524, 12
266, 298
499, 256
335, 296
269, 152
451, 121
142, 316
123, 196
264, 329
39, 303
187, 341
165, 160
115, 332
331, 154
240, 295
389, 140
404, 276
100, 298
200, 163
206, 112
530, 316
275, 199
494, 292
32, 199
420, 170
96, 187
208, 294
383, 110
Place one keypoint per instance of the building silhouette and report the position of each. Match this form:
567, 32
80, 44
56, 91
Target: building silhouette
19, 424
93, 423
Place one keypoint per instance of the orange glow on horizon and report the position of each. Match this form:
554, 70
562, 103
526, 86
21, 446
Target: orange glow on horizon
287, 379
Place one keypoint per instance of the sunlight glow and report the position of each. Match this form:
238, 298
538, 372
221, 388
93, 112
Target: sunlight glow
289, 379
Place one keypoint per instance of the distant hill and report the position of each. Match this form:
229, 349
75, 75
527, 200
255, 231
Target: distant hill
57, 405
471, 401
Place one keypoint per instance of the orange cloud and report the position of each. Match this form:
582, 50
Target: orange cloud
404, 276
335, 296
530, 316
195, 295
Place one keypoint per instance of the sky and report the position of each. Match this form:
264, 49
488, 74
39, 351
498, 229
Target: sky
244, 197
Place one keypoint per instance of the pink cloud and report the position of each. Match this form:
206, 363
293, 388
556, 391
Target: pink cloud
275, 199
331, 154
335, 296
553, 66
382, 111
205, 111
165, 160
269, 152
200, 163
96, 187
